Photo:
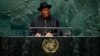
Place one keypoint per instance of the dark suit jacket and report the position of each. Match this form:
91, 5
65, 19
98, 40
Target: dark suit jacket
41, 22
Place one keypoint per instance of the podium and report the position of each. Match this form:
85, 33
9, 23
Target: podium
67, 31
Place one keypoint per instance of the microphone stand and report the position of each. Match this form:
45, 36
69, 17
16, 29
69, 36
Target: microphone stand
45, 31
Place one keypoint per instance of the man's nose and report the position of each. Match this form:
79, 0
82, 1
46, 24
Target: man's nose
46, 12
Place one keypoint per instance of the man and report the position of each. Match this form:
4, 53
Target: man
44, 20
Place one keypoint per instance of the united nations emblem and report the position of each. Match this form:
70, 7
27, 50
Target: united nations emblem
50, 45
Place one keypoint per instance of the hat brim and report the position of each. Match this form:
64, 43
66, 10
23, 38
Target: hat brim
40, 8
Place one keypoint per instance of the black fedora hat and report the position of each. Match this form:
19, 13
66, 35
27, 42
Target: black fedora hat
44, 5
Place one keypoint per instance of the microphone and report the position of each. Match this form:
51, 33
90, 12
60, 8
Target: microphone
45, 31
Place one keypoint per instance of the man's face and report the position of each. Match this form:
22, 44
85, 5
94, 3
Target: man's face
45, 12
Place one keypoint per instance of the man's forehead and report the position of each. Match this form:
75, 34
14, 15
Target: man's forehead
46, 8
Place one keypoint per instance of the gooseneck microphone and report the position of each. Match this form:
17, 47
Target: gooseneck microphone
45, 22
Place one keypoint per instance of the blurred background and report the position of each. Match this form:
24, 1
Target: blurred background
82, 15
